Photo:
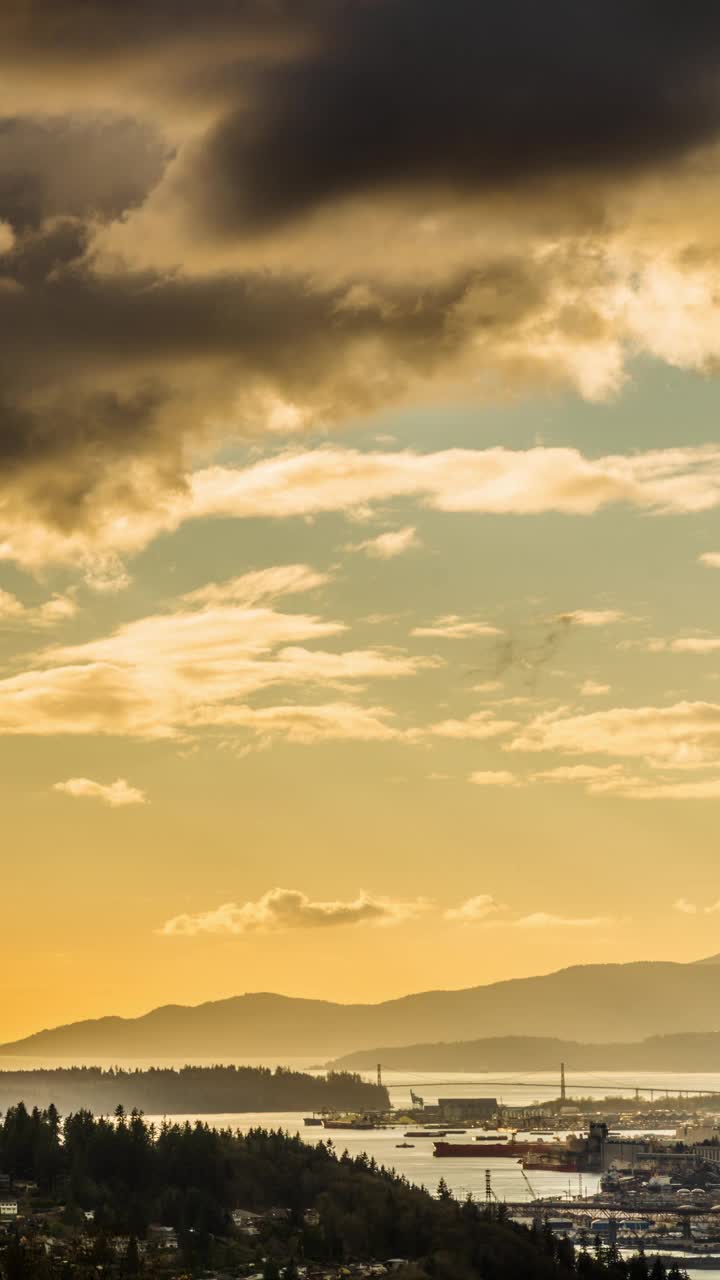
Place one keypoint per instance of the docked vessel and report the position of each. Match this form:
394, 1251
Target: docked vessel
552, 1163
313, 1120
481, 1149
351, 1122
569, 1155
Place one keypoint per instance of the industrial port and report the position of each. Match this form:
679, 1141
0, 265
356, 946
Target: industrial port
654, 1157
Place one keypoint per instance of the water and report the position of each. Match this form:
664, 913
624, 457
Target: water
463, 1176
418, 1163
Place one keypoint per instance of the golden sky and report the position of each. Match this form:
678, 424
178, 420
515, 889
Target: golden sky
359, 491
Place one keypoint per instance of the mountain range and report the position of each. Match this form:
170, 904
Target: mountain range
594, 1004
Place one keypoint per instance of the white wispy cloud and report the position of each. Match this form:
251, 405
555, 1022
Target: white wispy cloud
711, 559
259, 586
493, 778
684, 907
451, 626
613, 780
117, 795
197, 665
548, 920
474, 910
593, 617
684, 734
305, 483
13, 612
478, 726
700, 645
305, 725
484, 910
386, 546
593, 689
665, 789
496, 480
692, 909
591, 773
284, 909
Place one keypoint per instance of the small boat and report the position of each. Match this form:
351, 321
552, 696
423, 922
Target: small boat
405, 1145
313, 1120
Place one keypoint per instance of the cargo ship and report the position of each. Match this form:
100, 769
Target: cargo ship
477, 1149
431, 1133
569, 1155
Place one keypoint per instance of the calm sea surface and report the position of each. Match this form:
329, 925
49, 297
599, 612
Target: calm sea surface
418, 1163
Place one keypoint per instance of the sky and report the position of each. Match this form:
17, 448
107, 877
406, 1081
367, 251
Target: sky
359, 496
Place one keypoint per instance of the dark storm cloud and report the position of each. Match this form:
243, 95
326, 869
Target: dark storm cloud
96, 368
76, 30
466, 96
139, 120
368, 94
79, 167
125, 319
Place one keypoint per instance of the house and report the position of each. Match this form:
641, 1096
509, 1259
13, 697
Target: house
276, 1215
246, 1222
162, 1237
8, 1206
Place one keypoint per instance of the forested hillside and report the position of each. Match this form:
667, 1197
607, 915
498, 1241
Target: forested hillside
326, 1207
190, 1090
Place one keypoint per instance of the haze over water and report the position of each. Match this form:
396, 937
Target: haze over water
418, 1163
512, 1088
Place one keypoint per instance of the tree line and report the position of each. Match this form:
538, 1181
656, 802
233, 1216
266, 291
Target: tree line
191, 1090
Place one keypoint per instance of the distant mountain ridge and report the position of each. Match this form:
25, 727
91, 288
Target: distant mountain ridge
584, 1003
686, 1051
